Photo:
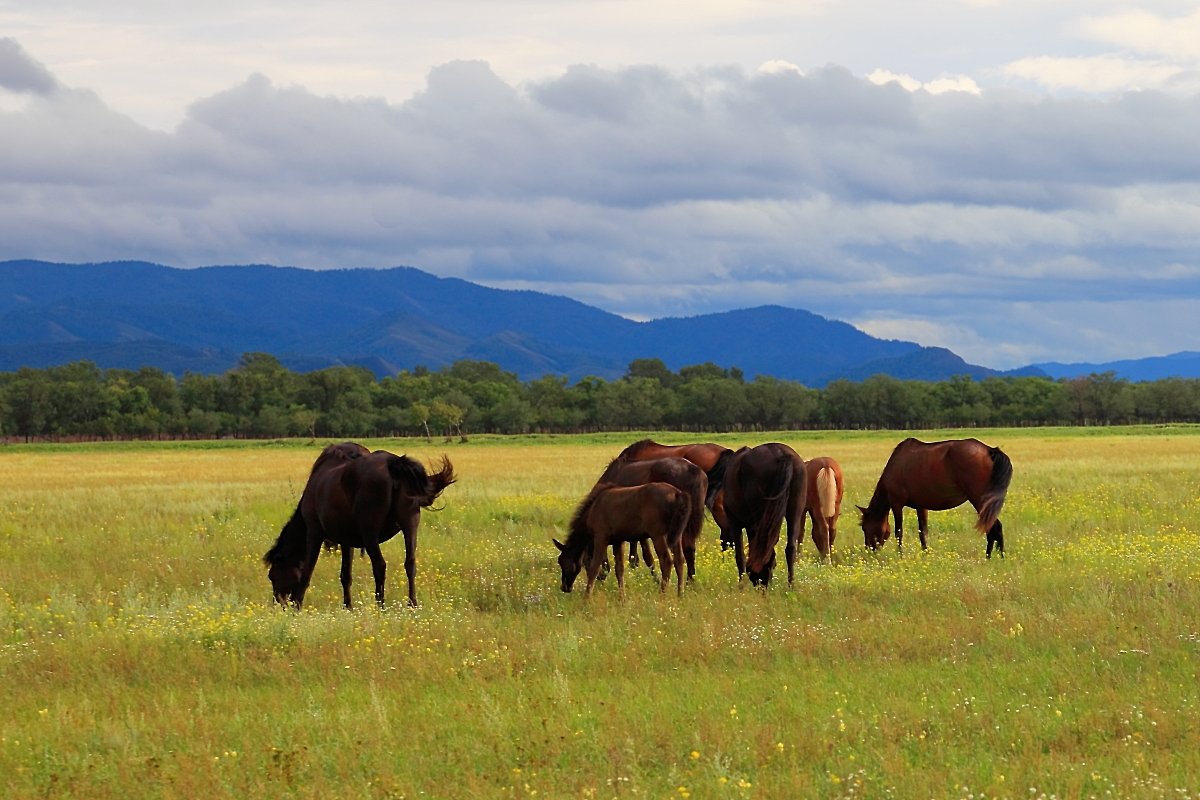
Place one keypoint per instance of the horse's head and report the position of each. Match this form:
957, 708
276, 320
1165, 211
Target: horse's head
763, 576
285, 581
570, 564
876, 530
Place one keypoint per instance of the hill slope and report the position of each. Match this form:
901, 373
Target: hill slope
132, 314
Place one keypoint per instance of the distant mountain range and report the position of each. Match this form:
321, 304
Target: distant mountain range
134, 314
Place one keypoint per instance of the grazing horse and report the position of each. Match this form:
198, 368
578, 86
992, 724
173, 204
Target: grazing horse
614, 515
708, 456
354, 498
824, 506
680, 473
935, 476
764, 487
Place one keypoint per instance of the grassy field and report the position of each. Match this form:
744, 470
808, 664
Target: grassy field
140, 655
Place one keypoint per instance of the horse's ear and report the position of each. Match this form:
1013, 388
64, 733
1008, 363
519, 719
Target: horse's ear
559, 544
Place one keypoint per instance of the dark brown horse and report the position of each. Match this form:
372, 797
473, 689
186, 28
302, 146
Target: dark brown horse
708, 456
355, 499
613, 515
824, 506
680, 473
765, 486
935, 476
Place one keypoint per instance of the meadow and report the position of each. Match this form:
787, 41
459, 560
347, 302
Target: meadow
141, 656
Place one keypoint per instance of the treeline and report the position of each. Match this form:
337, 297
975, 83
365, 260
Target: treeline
262, 398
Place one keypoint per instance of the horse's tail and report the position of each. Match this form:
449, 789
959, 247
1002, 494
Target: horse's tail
696, 491
683, 512
289, 547
997, 490
716, 476
424, 487
438, 481
774, 505
827, 491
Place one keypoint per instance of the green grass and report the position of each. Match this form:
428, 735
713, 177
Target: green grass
140, 657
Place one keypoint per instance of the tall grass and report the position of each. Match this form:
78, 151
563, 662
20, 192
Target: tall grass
140, 655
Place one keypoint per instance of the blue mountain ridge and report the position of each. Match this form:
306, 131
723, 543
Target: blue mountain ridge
131, 314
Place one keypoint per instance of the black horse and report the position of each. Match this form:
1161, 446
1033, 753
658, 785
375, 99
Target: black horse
354, 498
764, 487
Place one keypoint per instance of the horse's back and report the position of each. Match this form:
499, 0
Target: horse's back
938, 475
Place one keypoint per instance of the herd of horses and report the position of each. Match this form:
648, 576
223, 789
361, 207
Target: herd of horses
651, 496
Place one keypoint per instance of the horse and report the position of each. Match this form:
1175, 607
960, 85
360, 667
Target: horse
680, 473
764, 487
824, 505
613, 515
935, 476
711, 457
354, 498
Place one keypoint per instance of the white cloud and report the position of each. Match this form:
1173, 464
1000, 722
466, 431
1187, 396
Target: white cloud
940, 85
1176, 38
1104, 73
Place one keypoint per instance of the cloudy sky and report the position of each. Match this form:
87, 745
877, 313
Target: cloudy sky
1018, 180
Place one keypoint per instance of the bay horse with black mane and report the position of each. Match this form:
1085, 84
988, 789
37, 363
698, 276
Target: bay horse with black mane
765, 486
680, 473
614, 515
354, 499
935, 476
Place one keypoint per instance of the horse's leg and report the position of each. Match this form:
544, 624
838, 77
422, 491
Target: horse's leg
678, 560
789, 550
739, 552
378, 567
646, 556
347, 561
410, 560
995, 536
663, 552
599, 555
831, 528
619, 561
820, 534
923, 526
313, 551
898, 518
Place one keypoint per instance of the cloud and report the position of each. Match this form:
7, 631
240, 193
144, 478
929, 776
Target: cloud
946, 83
1104, 73
20, 73
1176, 38
652, 191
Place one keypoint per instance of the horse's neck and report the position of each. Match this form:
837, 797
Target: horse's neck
879, 505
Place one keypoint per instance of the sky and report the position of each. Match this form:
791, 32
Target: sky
1017, 180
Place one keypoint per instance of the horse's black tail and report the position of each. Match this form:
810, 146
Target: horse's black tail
716, 476
289, 547
774, 505
423, 487
997, 490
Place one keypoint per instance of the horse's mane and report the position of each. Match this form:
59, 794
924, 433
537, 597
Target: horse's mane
578, 536
289, 546
716, 475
